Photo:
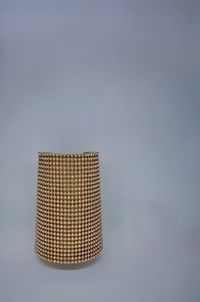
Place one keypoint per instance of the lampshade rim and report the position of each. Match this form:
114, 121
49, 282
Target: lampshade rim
68, 154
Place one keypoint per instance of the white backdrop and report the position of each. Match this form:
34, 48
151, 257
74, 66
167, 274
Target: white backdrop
122, 78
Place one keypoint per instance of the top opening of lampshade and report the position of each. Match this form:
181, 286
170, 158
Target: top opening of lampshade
69, 154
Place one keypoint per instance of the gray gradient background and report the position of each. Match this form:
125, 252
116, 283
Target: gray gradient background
120, 77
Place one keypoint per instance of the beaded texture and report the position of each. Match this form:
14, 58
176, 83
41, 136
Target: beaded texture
68, 212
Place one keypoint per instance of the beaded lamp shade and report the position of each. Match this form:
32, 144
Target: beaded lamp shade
68, 209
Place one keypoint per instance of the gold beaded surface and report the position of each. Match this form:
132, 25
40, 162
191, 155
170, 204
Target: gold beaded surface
68, 212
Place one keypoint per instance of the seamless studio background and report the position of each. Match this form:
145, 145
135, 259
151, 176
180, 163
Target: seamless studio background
122, 78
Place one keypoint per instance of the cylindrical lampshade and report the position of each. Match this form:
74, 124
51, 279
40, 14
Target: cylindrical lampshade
68, 211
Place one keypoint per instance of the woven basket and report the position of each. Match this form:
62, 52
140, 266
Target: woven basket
68, 211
